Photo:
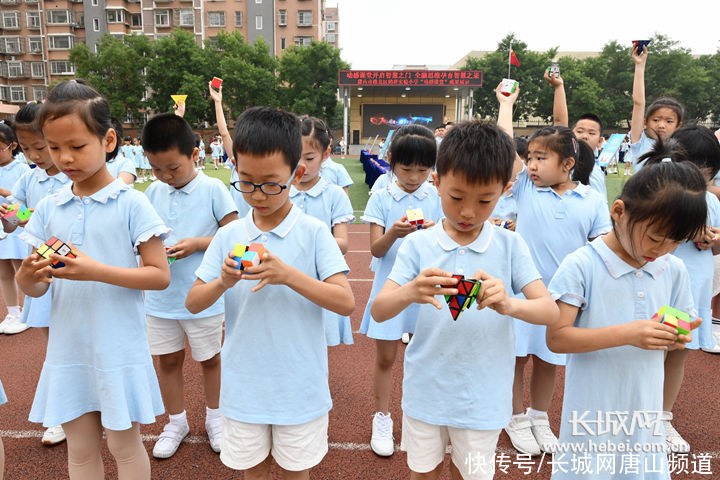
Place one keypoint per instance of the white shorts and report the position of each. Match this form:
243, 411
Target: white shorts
294, 447
167, 335
473, 451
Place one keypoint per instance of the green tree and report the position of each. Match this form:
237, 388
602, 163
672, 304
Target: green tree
711, 64
116, 70
180, 66
308, 77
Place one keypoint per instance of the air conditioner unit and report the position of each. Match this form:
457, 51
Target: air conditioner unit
11, 58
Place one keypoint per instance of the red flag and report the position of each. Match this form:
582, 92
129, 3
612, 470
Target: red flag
513, 58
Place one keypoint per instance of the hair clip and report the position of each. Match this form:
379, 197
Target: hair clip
31, 101
575, 145
666, 160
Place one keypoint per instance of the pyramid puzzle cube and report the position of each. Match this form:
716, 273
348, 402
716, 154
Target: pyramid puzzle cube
170, 259
58, 247
675, 318
415, 217
467, 291
248, 256
16, 213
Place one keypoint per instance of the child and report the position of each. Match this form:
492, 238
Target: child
201, 155
169, 143
216, 150
608, 292
556, 215
458, 373
699, 146
12, 249
139, 156
326, 202
662, 118
275, 394
32, 187
412, 157
97, 338
121, 166
3, 399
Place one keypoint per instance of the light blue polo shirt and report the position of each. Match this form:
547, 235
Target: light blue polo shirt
216, 149
325, 201
460, 372
505, 208
382, 182
191, 211
274, 358
335, 173
121, 163
201, 148
242, 206
638, 149
597, 181
610, 292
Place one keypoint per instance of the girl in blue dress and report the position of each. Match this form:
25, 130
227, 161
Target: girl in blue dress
3, 399
608, 293
97, 343
12, 249
328, 202
412, 157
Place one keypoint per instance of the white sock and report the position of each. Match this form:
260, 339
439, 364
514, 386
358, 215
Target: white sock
179, 419
518, 415
532, 413
212, 413
14, 311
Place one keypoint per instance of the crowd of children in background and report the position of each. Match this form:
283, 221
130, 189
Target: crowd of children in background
526, 219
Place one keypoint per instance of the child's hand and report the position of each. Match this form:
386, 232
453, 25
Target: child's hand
510, 225
429, 283
229, 274
509, 98
639, 58
271, 270
705, 240
36, 268
492, 294
180, 109
682, 340
552, 80
651, 335
216, 95
82, 267
22, 223
4, 192
183, 248
428, 223
401, 228
4, 209
496, 221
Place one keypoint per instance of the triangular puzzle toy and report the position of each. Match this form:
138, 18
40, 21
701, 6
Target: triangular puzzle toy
467, 291
16, 213
179, 99
248, 256
171, 260
55, 246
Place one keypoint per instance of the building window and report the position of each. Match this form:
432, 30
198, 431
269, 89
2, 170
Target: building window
60, 42
4, 92
331, 26
162, 18
116, 16
331, 38
282, 18
303, 41
12, 45
187, 17
33, 19
282, 43
58, 17
95, 3
238, 19
37, 69
39, 93
305, 18
17, 93
11, 20
96, 24
136, 19
35, 44
216, 19
61, 67
258, 2
15, 69
258, 22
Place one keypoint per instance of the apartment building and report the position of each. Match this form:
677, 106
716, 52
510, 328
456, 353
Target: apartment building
331, 29
36, 36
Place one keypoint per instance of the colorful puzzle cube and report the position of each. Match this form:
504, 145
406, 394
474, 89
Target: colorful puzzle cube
58, 247
248, 256
415, 217
508, 86
16, 213
170, 259
675, 318
467, 291
179, 99
216, 82
640, 44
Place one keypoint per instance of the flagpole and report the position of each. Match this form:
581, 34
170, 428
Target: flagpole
509, 58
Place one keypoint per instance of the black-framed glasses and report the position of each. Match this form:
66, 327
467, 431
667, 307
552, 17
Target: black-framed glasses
268, 188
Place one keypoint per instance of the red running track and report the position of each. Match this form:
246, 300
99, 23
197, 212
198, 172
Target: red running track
697, 414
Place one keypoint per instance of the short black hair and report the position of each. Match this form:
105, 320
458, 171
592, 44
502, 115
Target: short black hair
478, 149
25, 117
7, 135
119, 130
413, 145
165, 131
317, 130
702, 146
521, 147
589, 116
265, 130
584, 163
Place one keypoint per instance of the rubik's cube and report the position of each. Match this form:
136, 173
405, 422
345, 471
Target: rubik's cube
170, 259
248, 256
58, 247
415, 217
675, 318
216, 82
467, 291
16, 213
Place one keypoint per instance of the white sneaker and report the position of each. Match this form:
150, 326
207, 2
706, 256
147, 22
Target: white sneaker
405, 338
170, 439
6, 321
675, 443
13, 325
53, 435
546, 439
213, 427
521, 436
716, 348
382, 437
